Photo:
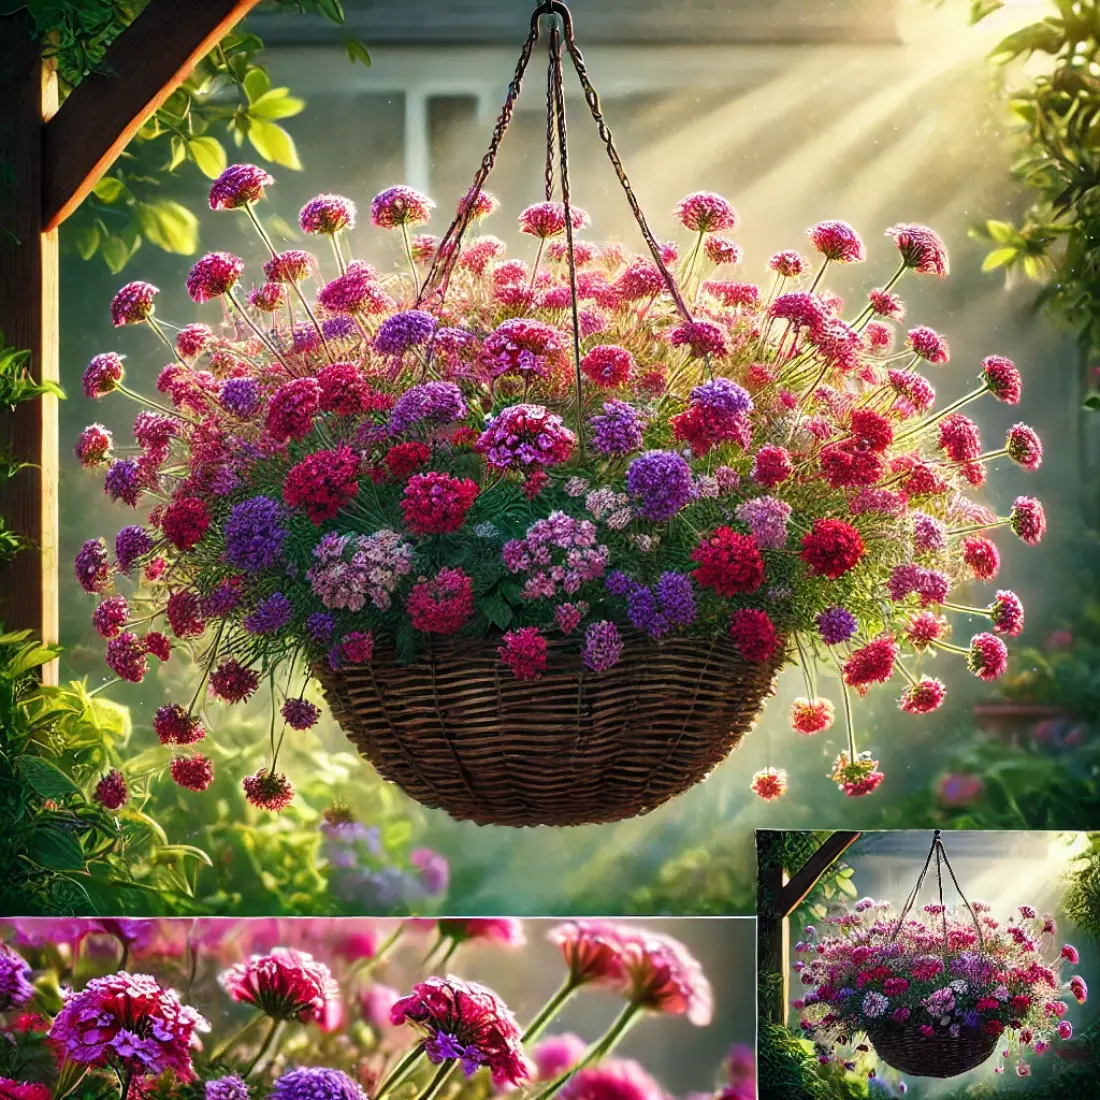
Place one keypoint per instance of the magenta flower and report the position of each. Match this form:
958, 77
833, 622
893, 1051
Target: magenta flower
15, 990
593, 951
128, 1021
557, 1054
506, 931
705, 212
921, 249
397, 206
614, 1079
213, 275
239, 185
133, 304
1024, 447
664, 977
327, 214
547, 219
284, 984
837, 241
102, 375
987, 657
466, 1021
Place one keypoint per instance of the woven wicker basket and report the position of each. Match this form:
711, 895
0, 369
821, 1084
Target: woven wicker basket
903, 1047
456, 731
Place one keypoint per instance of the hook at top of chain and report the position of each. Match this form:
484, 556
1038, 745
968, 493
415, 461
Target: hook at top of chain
553, 7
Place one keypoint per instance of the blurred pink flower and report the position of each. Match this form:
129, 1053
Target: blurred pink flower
503, 930
284, 984
592, 950
557, 1054
665, 977
616, 1079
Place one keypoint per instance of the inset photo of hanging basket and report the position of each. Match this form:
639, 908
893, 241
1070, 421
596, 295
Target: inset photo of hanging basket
544, 527
939, 988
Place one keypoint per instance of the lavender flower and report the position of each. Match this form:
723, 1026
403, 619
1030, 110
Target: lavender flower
270, 616
338, 328
92, 566
15, 990
722, 395
254, 534
320, 627
677, 598
402, 331
123, 481
836, 625
227, 1088
766, 518
602, 646
642, 610
437, 402
131, 543
316, 1083
618, 431
660, 483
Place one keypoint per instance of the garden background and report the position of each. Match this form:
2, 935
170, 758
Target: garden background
867, 111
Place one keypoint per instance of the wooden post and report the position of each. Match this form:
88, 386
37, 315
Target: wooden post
779, 894
50, 160
29, 319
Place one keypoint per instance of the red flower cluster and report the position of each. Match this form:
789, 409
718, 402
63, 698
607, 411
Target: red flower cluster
872, 664
772, 466
728, 562
524, 652
322, 483
233, 683
442, 605
754, 635
403, 459
284, 984
292, 408
194, 772
832, 548
268, 790
608, 365
184, 522
436, 503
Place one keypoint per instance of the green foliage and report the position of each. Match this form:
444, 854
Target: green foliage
1081, 902
1057, 112
228, 98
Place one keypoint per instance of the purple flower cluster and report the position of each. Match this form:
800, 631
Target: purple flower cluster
618, 431
254, 534
559, 553
316, 1083
123, 481
435, 402
232, 1087
270, 615
602, 646
372, 572
240, 396
836, 625
15, 990
92, 566
766, 518
722, 396
660, 483
402, 331
131, 543
668, 604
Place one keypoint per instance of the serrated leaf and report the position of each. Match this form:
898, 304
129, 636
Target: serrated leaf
277, 103
209, 155
169, 225
55, 850
48, 780
999, 257
256, 83
273, 143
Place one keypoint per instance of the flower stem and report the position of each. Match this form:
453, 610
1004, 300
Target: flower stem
400, 1071
439, 1080
221, 1051
549, 1010
600, 1049
338, 253
257, 332
265, 1046
412, 262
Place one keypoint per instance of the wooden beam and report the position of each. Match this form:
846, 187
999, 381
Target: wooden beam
809, 874
140, 70
778, 895
28, 319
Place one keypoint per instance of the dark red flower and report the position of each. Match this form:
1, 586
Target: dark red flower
754, 635
185, 522
284, 984
435, 503
832, 548
322, 483
593, 951
403, 459
728, 562
872, 664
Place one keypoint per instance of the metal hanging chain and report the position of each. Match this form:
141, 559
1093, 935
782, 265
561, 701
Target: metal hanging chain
566, 199
937, 851
446, 255
551, 110
593, 100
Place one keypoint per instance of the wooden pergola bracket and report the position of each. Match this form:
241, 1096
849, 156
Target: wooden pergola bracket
779, 894
56, 156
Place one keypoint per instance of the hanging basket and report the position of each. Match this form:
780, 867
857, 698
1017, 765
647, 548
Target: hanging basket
457, 732
908, 1051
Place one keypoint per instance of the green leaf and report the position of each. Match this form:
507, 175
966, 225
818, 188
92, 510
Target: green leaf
1002, 232
273, 143
46, 778
179, 153
497, 610
981, 9
55, 850
169, 851
110, 189
277, 103
1091, 402
169, 225
357, 51
1046, 37
332, 10
209, 154
87, 241
256, 83
116, 252
999, 257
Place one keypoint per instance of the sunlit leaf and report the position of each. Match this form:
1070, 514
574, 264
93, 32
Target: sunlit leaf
278, 103
273, 143
169, 225
999, 257
256, 83
209, 155
110, 189
357, 51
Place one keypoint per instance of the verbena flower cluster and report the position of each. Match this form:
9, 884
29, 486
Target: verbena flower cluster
339, 468
946, 973
332, 1023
